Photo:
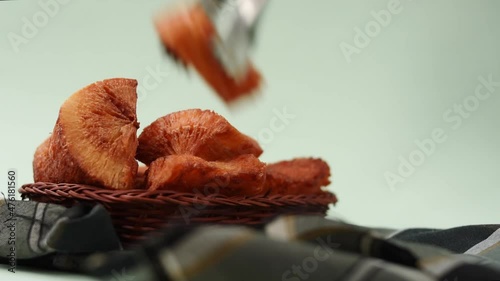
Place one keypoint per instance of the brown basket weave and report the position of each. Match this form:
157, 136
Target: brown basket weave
138, 213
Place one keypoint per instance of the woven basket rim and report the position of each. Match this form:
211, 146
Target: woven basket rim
68, 191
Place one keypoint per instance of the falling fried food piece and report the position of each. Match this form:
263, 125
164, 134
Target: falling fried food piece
188, 35
297, 176
244, 175
197, 132
94, 140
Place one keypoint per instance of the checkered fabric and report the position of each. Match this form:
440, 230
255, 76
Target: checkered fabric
289, 248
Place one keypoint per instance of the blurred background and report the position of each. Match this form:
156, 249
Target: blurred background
400, 97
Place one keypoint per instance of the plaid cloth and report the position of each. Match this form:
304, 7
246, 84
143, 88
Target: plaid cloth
289, 248
52, 236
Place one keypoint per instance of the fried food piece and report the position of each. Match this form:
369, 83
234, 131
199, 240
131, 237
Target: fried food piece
188, 36
48, 161
41, 161
94, 140
297, 176
244, 175
53, 164
197, 132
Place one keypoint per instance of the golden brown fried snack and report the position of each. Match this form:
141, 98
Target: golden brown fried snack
49, 160
94, 140
197, 132
297, 176
41, 159
244, 175
188, 35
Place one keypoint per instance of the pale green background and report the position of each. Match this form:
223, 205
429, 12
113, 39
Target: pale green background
359, 116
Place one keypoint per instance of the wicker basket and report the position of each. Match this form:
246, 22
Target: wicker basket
138, 213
